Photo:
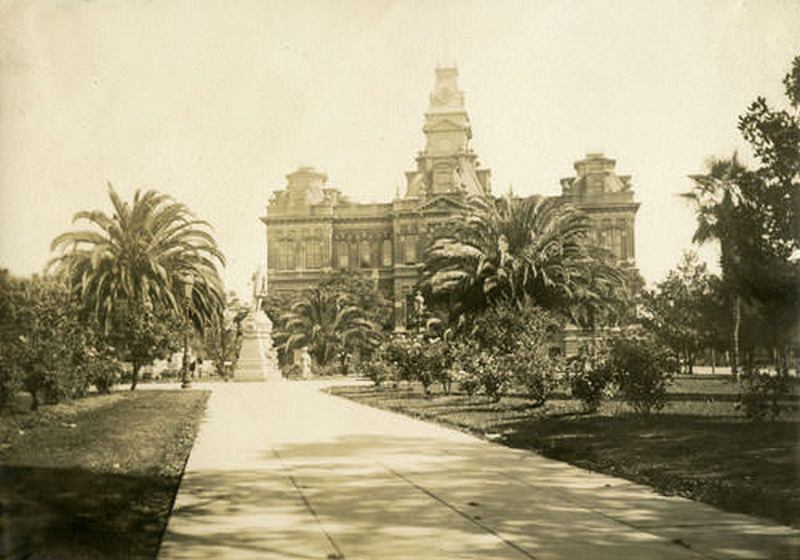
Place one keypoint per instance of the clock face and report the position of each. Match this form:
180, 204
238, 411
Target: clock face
444, 145
444, 96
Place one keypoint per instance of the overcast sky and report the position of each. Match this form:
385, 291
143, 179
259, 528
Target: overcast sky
215, 102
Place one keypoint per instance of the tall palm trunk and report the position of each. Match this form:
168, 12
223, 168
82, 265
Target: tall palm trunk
736, 322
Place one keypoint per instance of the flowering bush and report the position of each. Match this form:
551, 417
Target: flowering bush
439, 358
467, 381
535, 371
377, 370
407, 355
492, 374
591, 376
518, 338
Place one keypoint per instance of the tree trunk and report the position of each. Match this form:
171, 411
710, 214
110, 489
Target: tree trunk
735, 325
34, 400
135, 374
185, 360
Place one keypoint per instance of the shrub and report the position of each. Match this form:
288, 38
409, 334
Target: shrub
535, 371
105, 373
412, 359
439, 358
519, 338
377, 370
467, 381
492, 374
642, 369
10, 383
764, 395
396, 352
590, 376
292, 371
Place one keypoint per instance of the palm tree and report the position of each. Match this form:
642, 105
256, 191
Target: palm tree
327, 322
151, 254
519, 249
715, 198
602, 293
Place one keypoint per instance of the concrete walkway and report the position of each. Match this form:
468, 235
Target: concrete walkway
281, 470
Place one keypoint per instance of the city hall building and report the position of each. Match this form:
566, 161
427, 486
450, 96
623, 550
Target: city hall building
313, 228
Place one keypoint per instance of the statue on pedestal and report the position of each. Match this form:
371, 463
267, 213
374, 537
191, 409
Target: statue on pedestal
257, 359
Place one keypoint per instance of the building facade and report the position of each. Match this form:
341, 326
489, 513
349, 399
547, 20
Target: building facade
313, 228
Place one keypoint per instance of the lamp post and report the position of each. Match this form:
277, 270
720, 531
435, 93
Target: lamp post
188, 285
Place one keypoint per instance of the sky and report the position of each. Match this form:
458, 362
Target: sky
215, 102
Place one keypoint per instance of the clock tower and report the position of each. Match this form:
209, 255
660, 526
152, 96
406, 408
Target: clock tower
447, 165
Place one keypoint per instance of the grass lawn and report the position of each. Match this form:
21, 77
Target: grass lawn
95, 478
699, 446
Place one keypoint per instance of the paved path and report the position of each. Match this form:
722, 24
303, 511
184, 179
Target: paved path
281, 470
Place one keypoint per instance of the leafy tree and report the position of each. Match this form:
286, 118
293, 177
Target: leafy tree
675, 310
10, 379
754, 216
509, 248
149, 259
141, 336
362, 292
222, 339
770, 210
45, 348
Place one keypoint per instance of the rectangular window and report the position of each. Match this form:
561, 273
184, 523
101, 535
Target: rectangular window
410, 249
285, 257
386, 252
616, 242
313, 253
342, 255
364, 257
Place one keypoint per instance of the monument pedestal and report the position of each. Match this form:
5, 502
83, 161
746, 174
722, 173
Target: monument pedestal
257, 358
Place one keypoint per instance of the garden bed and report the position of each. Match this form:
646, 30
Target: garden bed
95, 478
699, 447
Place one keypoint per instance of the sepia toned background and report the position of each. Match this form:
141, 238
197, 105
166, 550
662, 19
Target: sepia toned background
216, 102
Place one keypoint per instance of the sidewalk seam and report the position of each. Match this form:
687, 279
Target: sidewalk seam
463, 514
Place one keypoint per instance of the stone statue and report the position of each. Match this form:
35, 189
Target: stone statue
419, 303
305, 364
259, 282
257, 358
